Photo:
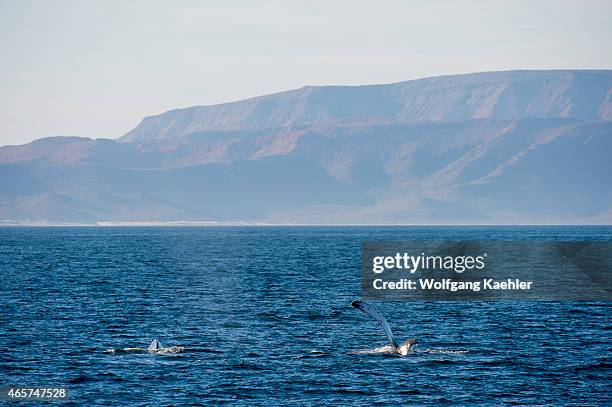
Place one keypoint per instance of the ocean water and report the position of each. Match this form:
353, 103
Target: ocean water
265, 318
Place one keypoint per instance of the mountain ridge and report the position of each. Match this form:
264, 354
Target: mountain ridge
533, 147
504, 95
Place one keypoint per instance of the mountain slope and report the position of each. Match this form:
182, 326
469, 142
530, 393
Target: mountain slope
582, 95
506, 147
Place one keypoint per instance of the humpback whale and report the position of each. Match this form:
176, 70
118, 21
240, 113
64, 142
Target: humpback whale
402, 349
154, 347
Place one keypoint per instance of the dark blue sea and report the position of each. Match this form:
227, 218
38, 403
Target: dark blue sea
265, 317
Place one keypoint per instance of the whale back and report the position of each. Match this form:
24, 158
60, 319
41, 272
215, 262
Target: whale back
374, 313
406, 347
155, 345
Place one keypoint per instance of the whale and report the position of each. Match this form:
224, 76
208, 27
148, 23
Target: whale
154, 347
394, 347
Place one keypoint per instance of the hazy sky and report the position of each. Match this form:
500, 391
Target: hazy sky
97, 68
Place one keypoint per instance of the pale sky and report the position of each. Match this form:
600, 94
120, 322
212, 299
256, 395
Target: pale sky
96, 68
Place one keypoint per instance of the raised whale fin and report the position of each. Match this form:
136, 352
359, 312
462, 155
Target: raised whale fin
155, 345
374, 313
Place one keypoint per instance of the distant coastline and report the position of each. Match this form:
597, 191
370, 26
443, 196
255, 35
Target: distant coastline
505, 147
271, 224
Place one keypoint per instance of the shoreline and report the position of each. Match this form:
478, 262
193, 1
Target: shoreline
271, 224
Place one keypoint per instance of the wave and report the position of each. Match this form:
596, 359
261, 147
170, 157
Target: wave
375, 351
594, 366
388, 350
163, 351
446, 351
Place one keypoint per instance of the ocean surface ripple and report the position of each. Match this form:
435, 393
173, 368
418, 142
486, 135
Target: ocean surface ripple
265, 318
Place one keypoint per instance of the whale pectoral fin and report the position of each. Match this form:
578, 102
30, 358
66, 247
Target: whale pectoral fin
155, 345
374, 313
